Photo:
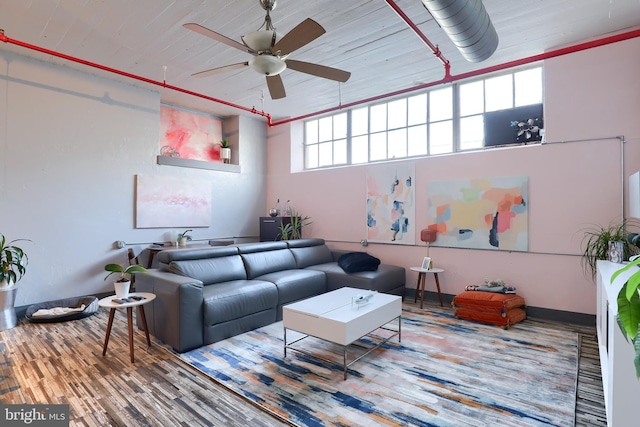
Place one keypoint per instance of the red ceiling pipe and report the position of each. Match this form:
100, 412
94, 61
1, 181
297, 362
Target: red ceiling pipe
528, 60
435, 49
164, 84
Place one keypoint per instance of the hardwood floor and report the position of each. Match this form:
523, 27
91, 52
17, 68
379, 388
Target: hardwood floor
62, 363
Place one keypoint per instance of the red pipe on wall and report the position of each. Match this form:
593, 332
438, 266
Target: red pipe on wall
528, 60
164, 84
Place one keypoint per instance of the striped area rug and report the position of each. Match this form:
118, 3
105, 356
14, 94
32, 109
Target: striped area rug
444, 372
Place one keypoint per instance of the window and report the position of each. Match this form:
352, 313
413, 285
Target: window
443, 120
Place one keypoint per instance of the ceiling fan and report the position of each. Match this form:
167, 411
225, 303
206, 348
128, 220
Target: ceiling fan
270, 51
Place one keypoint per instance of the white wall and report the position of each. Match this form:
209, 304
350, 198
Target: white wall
572, 186
71, 144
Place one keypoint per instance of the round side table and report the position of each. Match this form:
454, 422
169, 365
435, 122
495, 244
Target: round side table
422, 273
108, 303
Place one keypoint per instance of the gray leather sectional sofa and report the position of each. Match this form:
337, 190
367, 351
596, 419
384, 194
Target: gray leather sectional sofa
207, 295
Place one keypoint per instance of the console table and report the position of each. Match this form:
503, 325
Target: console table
621, 388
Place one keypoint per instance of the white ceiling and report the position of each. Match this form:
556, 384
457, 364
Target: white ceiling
365, 37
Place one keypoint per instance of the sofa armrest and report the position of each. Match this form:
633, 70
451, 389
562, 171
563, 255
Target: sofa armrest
175, 316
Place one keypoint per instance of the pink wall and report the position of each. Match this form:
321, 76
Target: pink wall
572, 185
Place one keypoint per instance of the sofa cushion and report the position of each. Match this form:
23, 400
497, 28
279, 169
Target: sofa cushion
211, 270
309, 252
297, 284
387, 278
354, 262
236, 299
259, 262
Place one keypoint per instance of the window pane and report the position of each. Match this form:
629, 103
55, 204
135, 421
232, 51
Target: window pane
360, 149
398, 114
528, 87
340, 152
311, 130
472, 98
417, 109
499, 93
325, 156
340, 126
360, 121
472, 132
398, 143
311, 156
379, 146
325, 129
441, 137
440, 104
417, 140
378, 117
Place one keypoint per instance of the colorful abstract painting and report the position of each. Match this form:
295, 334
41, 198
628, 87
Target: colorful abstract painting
390, 205
172, 202
189, 135
489, 213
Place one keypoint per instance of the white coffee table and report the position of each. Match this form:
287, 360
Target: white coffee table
335, 318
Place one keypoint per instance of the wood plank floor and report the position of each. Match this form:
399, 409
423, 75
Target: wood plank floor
62, 363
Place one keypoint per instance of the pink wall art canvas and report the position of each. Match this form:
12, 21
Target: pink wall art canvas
390, 204
489, 213
172, 202
189, 135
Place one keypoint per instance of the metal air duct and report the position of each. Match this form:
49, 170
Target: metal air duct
467, 24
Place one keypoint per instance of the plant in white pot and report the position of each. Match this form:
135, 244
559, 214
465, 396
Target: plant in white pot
13, 265
225, 151
121, 285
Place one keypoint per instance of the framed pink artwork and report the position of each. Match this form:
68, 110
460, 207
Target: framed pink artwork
189, 135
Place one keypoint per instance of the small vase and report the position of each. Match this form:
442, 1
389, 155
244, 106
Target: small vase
122, 289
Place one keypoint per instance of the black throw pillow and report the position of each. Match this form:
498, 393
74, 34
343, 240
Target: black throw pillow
354, 262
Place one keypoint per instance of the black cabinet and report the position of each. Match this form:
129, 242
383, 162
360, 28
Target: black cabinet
270, 227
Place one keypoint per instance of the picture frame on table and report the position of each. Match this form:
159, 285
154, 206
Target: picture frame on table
426, 263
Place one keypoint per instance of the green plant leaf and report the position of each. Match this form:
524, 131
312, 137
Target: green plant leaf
625, 268
632, 285
628, 312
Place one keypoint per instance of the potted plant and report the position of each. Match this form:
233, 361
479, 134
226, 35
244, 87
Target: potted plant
628, 316
13, 266
293, 230
183, 238
225, 151
124, 281
595, 245
13, 262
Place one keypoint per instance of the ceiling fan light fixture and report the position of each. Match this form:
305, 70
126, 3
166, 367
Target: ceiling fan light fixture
267, 65
260, 41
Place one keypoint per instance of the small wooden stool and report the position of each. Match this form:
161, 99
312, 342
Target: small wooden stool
422, 273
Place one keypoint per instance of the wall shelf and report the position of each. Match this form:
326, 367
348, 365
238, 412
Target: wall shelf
198, 164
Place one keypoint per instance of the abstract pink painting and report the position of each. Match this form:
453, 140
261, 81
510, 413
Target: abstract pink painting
190, 135
172, 202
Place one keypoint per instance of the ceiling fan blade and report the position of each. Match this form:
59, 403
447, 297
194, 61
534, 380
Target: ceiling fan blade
276, 87
318, 70
217, 37
305, 32
219, 70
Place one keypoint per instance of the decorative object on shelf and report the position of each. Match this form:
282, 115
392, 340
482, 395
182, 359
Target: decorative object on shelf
615, 252
121, 285
288, 209
629, 309
428, 236
273, 212
293, 230
595, 245
225, 151
183, 238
